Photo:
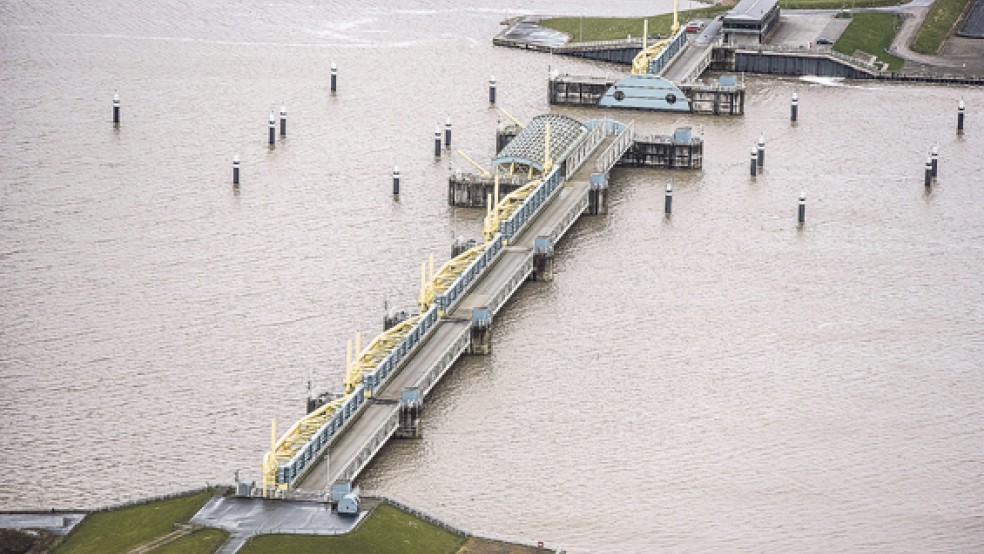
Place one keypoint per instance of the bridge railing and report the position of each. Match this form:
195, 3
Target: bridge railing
315, 446
449, 298
663, 59
512, 226
584, 149
616, 149
374, 379
818, 51
290, 471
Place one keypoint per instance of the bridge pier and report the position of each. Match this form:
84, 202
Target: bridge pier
411, 405
598, 194
543, 259
481, 332
460, 245
393, 317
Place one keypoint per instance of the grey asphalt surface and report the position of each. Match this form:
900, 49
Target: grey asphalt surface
973, 26
56, 523
244, 517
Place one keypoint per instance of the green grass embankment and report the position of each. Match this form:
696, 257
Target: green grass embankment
204, 541
938, 25
385, 531
614, 28
872, 33
124, 529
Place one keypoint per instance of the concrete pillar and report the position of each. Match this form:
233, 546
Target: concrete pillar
411, 404
598, 194
481, 332
543, 259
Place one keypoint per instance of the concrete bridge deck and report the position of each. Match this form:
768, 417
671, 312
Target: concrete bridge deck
354, 448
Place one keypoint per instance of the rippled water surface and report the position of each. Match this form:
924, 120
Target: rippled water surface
718, 381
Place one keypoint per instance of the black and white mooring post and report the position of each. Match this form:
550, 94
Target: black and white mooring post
794, 108
334, 77
447, 133
960, 116
437, 141
273, 129
116, 109
396, 180
492, 90
934, 154
235, 169
668, 204
929, 172
802, 209
761, 150
283, 120
754, 161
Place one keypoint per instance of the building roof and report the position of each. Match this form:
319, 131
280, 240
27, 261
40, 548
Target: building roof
645, 91
528, 148
750, 10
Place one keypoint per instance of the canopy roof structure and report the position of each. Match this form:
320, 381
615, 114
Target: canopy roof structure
529, 148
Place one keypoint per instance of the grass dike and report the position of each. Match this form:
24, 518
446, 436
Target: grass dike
872, 33
387, 530
940, 22
124, 529
587, 29
151, 526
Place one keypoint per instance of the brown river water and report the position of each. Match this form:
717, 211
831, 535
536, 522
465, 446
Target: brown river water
719, 381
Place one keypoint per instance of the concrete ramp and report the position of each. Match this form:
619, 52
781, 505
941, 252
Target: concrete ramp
689, 64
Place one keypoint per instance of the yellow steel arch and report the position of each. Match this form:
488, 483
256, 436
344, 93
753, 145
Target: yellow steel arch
640, 64
446, 276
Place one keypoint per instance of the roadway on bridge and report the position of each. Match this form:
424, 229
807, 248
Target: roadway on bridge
352, 440
686, 61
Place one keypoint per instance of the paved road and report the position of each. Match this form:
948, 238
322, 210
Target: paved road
358, 433
245, 517
685, 62
912, 18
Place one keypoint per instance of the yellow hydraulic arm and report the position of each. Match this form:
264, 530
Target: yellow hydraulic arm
640, 64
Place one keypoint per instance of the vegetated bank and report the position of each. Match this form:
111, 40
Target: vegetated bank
126, 528
586, 29
940, 22
872, 33
387, 529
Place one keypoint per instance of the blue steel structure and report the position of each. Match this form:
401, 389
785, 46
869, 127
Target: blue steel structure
287, 472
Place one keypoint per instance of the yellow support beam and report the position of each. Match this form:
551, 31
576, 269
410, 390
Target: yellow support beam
485, 173
511, 118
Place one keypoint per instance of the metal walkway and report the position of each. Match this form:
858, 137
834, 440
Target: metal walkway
354, 446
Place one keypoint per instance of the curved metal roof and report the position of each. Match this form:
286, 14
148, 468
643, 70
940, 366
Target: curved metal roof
528, 148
